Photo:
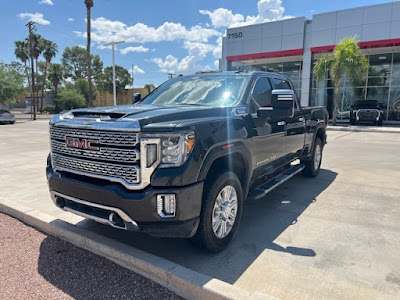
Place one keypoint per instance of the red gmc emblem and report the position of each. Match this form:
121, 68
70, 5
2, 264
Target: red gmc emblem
81, 143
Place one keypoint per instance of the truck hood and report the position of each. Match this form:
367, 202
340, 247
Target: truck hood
137, 117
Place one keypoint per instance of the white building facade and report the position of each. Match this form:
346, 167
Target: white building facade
291, 47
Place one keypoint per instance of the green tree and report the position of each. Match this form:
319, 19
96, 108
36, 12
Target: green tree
122, 78
11, 81
49, 52
22, 53
346, 59
75, 63
150, 87
56, 76
69, 99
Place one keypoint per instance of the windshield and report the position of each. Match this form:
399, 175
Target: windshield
213, 90
367, 103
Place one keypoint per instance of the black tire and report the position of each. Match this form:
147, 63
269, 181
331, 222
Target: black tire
205, 237
352, 122
380, 122
311, 170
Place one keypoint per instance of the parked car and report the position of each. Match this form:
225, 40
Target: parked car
181, 162
366, 111
6, 117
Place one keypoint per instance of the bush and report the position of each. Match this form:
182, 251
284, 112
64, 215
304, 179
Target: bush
50, 109
69, 99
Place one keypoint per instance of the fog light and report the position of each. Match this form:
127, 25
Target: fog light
166, 205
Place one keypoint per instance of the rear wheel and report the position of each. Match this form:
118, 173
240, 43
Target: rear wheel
221, 212
313, 165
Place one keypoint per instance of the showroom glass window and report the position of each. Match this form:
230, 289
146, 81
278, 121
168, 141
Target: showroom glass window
381, 83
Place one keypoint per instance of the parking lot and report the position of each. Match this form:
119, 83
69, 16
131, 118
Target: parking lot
334, 236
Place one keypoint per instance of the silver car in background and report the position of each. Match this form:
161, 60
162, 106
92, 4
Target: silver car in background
6, 117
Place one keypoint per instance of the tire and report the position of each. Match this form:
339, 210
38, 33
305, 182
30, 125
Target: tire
352, 122
380, 122
313, 165
215, 188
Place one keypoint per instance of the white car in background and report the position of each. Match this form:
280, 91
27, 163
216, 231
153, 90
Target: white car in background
6, 117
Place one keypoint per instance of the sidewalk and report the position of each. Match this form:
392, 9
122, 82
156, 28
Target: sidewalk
364, 128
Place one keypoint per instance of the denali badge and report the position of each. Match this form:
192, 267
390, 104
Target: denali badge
81, 143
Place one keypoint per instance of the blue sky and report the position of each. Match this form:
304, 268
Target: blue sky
181, 36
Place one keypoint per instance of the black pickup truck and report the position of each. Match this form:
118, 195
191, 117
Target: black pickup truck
181, 162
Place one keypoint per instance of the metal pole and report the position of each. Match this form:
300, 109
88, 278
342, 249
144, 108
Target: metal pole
114, 88
113, 62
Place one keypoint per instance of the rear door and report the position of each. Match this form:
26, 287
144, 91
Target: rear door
294, 126
267, 136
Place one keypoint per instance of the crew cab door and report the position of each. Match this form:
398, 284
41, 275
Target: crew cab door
267, 135
294, 125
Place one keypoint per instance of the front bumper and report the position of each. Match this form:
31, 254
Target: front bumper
112, 204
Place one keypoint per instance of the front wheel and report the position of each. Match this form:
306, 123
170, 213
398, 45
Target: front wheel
313, 165
221, 212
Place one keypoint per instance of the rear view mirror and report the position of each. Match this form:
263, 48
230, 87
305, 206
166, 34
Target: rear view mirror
282, 104
136, 98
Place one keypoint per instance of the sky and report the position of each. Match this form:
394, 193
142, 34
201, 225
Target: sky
178, 36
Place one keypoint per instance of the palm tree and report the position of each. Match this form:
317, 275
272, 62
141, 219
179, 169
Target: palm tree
50, 51
22, 53
55, 76
346, 59
37, 49
89, 5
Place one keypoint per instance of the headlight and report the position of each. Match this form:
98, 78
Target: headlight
176, 149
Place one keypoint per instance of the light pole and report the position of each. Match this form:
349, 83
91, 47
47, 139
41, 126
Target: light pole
113, 55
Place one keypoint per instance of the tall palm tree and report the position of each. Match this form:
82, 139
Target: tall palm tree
50, 51
37, 49
89, 5
345, 59
55, 76
22, 53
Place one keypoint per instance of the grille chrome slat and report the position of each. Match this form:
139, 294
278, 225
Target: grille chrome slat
104, 137
109, 154
119, 173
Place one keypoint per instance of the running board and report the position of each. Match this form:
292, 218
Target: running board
273, 183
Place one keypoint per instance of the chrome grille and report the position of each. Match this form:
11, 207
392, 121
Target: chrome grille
109, 154
119, 173
368, 114
105, 137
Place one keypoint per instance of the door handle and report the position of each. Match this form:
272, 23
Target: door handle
281, 123
301, 119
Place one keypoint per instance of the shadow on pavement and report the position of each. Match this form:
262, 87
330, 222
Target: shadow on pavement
262, 222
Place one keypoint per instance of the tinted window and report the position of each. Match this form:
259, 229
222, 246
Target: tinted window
261, 94
281, 84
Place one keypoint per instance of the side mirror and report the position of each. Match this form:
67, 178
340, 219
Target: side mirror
136, 98
282, 105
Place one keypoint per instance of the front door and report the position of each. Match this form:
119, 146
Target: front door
294, 125
268, 137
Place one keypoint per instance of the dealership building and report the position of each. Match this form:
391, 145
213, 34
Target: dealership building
291, 47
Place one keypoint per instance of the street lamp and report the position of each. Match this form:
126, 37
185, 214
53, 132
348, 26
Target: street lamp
113, 54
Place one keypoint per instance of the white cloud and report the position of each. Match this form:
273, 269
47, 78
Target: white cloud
37, 18
216, 64
188, 64
70, 19
222, 17
48, 2
268, 10
134, 49
105, 30
137, 70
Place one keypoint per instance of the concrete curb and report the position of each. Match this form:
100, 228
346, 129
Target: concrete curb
184, 282
366, 129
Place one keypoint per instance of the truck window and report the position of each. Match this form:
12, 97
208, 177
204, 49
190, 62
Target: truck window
261, 96
281, 84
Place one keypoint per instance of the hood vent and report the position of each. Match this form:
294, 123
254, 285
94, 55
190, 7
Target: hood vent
97, 115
